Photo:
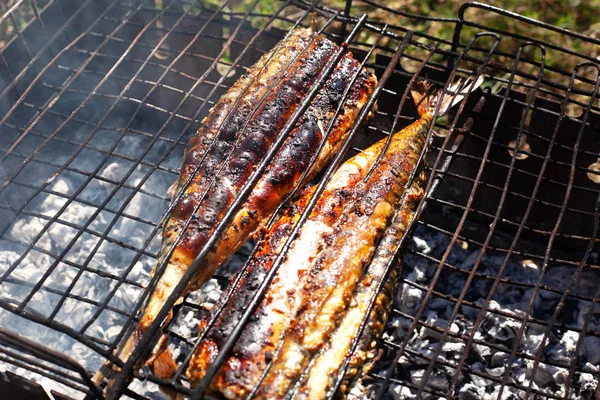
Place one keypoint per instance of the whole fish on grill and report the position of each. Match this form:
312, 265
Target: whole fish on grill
232, 141
301, 332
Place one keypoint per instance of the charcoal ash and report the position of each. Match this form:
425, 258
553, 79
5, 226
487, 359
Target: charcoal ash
498, 329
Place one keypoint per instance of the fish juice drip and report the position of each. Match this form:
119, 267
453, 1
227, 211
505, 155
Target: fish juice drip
242, 136
337, 257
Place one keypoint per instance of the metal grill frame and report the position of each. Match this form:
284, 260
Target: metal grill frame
72, 373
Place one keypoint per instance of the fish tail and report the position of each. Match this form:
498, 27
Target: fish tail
427, 97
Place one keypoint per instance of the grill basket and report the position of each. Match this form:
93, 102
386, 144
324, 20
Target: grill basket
500, 284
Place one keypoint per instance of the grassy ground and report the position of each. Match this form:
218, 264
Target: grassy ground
581, 16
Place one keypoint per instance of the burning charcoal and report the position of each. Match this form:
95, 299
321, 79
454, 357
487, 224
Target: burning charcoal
591, 368
591, 346
410, 299
561, 376
479, 380
438, 380
469, 261
532, 339
585, 387
565, 349
402, 393
421, 245
543, 375
416, 376
482, 350
584, 314
453, 347
471, 392
559, 277
357, 392
442, 306
497, 372
499, 359
426, 352
432, 319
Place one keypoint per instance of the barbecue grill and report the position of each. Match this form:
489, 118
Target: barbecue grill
500, 281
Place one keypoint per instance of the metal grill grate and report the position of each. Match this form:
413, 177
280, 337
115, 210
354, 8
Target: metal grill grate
99, 99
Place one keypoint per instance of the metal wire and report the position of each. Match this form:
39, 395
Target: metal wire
75, 51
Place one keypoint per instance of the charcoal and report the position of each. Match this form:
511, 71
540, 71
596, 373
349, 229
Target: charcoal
402, 393
591, 345
471, 391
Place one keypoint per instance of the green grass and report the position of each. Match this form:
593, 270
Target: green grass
581, 16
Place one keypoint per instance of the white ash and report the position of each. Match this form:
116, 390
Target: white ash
497, 330
111, 258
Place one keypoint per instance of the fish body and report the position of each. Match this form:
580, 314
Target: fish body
234, 138
300, 334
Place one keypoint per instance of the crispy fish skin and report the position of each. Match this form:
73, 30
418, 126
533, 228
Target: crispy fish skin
258, 343
326, 365
327, 307
286, 169
337, 270
317, 118
310, 299
260, 132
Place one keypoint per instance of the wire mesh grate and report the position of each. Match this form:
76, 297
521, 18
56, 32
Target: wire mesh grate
498, 281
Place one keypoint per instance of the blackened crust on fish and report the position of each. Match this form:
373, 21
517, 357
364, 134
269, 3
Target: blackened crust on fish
254, 349
294, 157
249, 282
230, 113
260, 133
333, 277
280, 178
227, 121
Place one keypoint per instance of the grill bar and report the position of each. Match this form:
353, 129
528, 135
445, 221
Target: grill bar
95, 42
550, 244
467, 209
49, 271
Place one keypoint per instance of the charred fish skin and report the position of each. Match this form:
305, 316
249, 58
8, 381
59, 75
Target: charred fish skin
288, 166
242, 96
241, 295
325, 367
311, 319
337, 318
258, 343
260, 132
317, 118
335, 273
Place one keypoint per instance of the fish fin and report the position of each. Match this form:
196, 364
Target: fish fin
171, 189
427, 97
124, 351
163, 366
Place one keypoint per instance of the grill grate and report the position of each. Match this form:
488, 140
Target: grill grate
94, 124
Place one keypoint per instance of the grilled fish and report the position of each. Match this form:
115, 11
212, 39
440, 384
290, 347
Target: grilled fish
327, 266
321, 374
242, 136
